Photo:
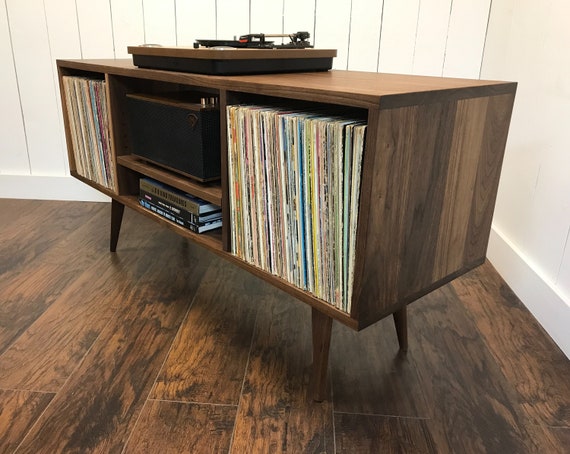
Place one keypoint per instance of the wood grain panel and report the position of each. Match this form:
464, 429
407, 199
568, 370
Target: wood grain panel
177, 428
207, 361
97, 407
18, 412
370, 375
530, 360
407, 194
366, 434
465, 152
492, 151
276, 412
472, 403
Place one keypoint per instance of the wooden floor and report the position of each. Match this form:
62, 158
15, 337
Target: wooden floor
164, 348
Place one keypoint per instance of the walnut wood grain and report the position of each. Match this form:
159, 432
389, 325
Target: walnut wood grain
350, 88
177, 428
207, 191
433, 186
401, 324
19, 410
276, 413
208, 359
321, 333
117, 211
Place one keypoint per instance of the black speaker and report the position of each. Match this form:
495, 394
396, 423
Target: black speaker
176, 134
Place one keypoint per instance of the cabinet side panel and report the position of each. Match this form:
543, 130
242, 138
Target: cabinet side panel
434, 184
493, 145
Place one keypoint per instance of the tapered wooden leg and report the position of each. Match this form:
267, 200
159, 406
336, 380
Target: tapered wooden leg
401, 322
322, 328
117, 210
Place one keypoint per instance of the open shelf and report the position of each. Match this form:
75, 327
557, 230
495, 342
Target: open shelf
212, 239
212, 191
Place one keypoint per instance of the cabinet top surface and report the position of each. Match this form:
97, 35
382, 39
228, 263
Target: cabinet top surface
359, 88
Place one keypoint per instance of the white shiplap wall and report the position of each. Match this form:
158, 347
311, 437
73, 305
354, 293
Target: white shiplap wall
431, 37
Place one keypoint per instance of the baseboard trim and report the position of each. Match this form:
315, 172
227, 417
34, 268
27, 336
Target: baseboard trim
542, 298
47, 188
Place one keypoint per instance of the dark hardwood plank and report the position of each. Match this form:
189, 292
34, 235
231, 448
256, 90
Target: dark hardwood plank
380, 434
18, 412
562, 435
176, 428
473, 404
39, 227
44, 356
97, 407
371, 376
23, 285
207, 360
276, 411
530, 360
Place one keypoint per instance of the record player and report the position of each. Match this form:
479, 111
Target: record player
250, 54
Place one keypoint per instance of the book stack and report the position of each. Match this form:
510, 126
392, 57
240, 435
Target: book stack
294, 183
184, 209
86, 103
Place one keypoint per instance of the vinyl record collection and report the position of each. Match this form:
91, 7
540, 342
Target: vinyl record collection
86, 103
294, 184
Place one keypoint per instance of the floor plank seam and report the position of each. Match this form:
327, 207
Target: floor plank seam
246, 368
79, 363
418, 418
191, 402
37, 391
147, 399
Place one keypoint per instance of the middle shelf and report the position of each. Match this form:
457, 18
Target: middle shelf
212, 191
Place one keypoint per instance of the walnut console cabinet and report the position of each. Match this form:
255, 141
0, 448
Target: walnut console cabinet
430, 172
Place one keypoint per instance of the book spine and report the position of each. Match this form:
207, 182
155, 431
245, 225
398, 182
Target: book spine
181, 212
197, 228
172, 197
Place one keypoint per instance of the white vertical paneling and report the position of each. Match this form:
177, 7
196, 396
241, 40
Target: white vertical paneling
95, 28
63, 32
398, 38
299, 16
13, 151
267, 17
232, 18
332, 27
128, 25
466, 38
160, 22
194, 23
365, 25
38, 96
62, 28
431, 38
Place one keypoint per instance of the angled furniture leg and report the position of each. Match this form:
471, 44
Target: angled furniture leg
117, 210
401, 322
